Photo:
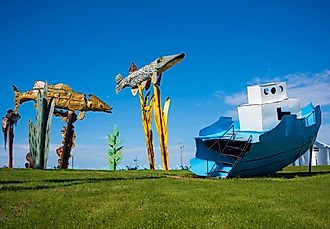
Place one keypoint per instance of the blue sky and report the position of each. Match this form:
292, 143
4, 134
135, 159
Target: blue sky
228, 45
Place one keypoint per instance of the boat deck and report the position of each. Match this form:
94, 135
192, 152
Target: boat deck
236, 135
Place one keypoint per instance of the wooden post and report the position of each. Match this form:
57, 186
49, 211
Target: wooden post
310, 159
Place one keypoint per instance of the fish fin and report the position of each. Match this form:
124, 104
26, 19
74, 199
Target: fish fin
154, 78
119, 83
119, 78
144, 84
17, 95
15, 88
134, 91
81, 115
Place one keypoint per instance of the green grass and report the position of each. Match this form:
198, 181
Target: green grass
155, 199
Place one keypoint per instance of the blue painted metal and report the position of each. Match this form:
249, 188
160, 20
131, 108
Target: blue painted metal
259, 153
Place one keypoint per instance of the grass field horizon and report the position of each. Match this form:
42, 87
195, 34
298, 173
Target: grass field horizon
156, 199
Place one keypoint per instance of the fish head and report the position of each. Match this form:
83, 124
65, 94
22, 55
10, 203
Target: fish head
96, 104
165, 62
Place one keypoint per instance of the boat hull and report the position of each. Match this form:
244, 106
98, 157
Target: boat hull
274, 150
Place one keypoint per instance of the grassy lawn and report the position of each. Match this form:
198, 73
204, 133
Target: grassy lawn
155, 199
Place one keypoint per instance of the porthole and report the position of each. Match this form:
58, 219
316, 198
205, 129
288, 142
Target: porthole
281, 88
273, 90
266, 91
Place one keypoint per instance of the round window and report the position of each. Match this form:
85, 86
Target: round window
266, 91
273, 90
281, 88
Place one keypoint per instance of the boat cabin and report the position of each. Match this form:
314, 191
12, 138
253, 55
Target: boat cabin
267, 104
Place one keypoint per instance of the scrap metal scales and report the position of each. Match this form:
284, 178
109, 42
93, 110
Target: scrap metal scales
68, 100
139, 79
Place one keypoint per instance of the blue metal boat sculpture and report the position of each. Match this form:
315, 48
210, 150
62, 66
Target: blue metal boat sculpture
272, 132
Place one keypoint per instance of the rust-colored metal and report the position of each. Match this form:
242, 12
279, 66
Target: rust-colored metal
8, 122
64, 152
28, 163
64, 97
10, 145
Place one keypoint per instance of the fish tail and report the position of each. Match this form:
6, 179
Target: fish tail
17, 94
120, 84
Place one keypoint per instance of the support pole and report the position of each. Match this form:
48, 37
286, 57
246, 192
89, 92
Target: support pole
68, 140
161, 125
7, 124
310, 159
146, 112
10, 145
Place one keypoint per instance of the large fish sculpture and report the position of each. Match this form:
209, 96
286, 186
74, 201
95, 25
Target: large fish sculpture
151, 72
64, 97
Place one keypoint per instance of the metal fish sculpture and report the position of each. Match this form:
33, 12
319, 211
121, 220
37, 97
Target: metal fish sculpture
151, 72
7, 122
64, 97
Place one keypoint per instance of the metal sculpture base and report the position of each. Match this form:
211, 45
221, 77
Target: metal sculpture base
146, 111
160, 116
151, 104
64, 152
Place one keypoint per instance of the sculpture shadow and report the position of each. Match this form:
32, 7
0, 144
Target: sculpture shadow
56, 183
291, 175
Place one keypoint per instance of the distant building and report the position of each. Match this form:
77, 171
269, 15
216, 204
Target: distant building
320, 155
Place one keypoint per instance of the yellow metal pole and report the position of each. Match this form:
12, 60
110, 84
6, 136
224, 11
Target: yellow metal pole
146, 111
161, 125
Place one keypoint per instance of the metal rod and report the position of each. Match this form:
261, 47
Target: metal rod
10, 146
310, 159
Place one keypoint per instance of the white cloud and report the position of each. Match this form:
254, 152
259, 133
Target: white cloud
236, 99
308, 87
232, 113
219, 94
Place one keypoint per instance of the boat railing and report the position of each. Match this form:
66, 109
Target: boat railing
233, 134
236, 158
246, 146
232, 137
242, 154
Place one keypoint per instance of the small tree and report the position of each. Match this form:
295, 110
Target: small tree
115, 151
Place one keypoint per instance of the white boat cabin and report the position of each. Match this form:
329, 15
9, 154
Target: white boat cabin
267, 104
